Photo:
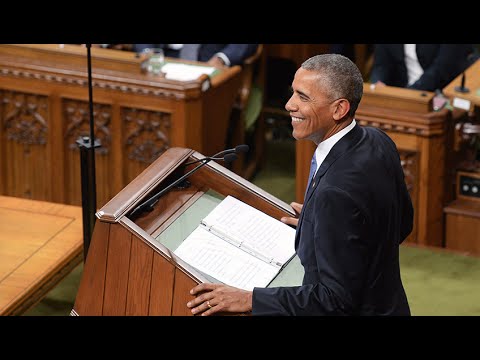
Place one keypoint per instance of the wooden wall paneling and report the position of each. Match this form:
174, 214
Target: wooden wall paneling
139, 279
118, 177
463, 233
3, 141
146, 135
161, 291
118, 268
463, 226
25, 123
410, 163
75, 119
90, 295
431, 191
104, 169
186, 124
408, 146
56, 140
76, 124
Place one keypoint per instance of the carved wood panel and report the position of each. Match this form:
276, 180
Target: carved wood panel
146, 137
409, 161
24, 121
76, 123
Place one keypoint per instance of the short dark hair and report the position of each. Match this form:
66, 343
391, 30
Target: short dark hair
340, 76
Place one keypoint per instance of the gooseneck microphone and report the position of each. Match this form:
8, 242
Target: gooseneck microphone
221, 155
229, 155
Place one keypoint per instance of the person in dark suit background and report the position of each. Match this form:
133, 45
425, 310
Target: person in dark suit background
356, 213
419, 66
215, 54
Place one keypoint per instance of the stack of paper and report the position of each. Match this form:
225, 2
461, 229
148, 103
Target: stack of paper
185, 72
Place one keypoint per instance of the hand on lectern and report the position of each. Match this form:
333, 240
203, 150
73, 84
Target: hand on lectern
216, 298
293, 221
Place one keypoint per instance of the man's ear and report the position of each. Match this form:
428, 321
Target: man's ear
342, 107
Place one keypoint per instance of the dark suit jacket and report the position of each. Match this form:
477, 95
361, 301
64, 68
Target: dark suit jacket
356, 213
441, 64
236, 53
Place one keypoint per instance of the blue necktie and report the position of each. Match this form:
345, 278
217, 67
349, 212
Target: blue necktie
313, 167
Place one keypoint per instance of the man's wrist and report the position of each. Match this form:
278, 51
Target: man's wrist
225, 60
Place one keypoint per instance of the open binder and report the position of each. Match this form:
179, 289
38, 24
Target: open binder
239, 245
132, 268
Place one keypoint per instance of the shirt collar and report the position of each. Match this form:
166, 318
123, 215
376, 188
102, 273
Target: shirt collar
325, 146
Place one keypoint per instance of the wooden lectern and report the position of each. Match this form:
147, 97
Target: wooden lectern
421, 136
131, 268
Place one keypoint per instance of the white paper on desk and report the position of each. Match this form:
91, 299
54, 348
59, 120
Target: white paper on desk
185, 72
224, 261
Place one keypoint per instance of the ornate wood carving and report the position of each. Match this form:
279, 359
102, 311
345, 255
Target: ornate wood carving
406, 122
147, 133
400, 128
109, 82
77, 120
409, 161
24, 117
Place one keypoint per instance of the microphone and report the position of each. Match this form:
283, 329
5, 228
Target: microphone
462, 87
151, 202
236, 150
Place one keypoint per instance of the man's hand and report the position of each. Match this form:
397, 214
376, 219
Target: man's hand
216, 62
293, 220
219, 298
379, 84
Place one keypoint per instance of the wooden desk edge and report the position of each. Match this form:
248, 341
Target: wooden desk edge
52, 275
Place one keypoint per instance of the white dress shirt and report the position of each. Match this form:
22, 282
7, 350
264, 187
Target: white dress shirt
326, 145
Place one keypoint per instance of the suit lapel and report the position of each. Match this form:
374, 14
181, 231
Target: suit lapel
340, 148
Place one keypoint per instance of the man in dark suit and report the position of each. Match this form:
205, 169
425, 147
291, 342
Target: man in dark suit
215, 54
419, 66
357, 209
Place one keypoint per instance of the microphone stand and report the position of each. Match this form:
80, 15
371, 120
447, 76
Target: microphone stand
462, 87
150, 203
87, 147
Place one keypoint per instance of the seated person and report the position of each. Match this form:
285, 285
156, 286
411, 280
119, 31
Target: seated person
217, 55
419, 66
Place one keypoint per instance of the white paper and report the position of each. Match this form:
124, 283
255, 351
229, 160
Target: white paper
253, 229
185, 72
239, 245
223, 261
461, 103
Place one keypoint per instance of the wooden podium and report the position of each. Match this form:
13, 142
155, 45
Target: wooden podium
131, 268
420, 135
44, 110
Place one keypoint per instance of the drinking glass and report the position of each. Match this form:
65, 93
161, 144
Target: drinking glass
155, 59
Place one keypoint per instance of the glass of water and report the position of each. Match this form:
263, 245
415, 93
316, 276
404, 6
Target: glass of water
155, 59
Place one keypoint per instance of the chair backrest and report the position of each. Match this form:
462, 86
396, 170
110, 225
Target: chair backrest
252, 72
